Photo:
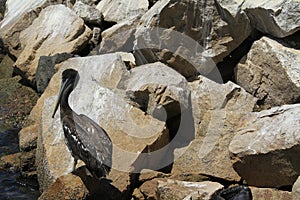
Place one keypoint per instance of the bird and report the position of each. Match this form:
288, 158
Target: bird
85, 139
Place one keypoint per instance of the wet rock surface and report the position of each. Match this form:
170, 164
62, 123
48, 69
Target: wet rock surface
16, 102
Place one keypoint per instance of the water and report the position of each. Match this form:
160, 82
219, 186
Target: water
12, 186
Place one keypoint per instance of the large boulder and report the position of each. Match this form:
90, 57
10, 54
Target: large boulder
270, 72
118, 10
100, 95
193, 39
217, 109
278, 18
18, 16
47, 36
265, 149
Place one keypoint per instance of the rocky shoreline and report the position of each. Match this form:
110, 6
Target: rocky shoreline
197, 96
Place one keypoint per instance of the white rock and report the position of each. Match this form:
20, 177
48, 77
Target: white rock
48, 36
118, 10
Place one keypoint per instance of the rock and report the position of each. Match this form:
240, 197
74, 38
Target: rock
47, 36
45, 69
296, 189
66, 187
16, 102
149, 189
28, 137
27, 164
158, 90
116, 11
173, 189
10, 162
217, 109
119, 37
6, 67
270, 72
19, 15
266, 146
137, 195
101, 83
89, 14
277, 18
90, 2
185, 39
270, 193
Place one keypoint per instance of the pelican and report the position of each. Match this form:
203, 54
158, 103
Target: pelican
85, 139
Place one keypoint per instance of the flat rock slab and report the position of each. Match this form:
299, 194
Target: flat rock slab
174, 189
271, 73
47, 36
265, 149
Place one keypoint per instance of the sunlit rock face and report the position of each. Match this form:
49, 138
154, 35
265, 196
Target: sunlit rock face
18, 16
118, 10
269, 73
266, 147
47, 35
217, 109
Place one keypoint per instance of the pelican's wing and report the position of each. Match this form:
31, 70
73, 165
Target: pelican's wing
94, 138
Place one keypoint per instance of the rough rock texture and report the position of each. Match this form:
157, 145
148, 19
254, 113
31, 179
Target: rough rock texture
18, 16
6, 67
119, 37
217, 109
99, 77
266, 146
173, 189
88, 13
278, 18
270, 194
10, 162
28, 137
271, 73
66, 187
296, 190
16, 102
201, 24
118, 10
45, 69
48, 36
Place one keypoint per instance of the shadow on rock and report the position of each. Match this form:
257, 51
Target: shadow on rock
102, 188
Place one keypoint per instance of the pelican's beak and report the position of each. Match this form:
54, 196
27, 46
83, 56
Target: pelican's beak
62, 88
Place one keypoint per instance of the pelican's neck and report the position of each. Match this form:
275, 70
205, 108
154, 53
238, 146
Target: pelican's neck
65, 109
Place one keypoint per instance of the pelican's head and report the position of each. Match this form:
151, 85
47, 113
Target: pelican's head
70, 79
